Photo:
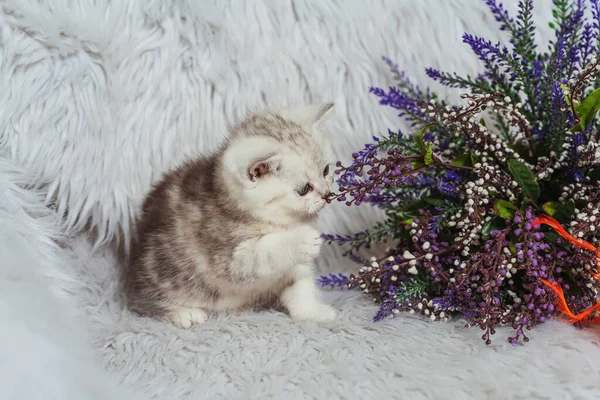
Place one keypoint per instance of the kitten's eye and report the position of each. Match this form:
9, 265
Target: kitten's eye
305, 189
326, 171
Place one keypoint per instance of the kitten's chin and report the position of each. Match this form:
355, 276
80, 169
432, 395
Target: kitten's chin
294, 215
314, 209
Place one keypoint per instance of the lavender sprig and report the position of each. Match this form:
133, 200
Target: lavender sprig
334, 281
461, 194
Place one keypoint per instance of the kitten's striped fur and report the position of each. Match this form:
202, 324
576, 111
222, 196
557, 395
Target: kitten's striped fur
230, 231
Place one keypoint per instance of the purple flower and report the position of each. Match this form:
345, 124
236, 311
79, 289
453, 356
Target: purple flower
491, 54
447, 243
500, 14
404, 82
596, 18
339, 281
405, 103
588, 43
387, 306
446, 303
448, 189
577, 175
566, 53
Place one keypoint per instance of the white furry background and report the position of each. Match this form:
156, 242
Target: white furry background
99, 97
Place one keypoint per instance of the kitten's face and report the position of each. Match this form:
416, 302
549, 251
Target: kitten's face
298, 185
286, 165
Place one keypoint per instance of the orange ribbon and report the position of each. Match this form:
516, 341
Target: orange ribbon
554, 286
544, 219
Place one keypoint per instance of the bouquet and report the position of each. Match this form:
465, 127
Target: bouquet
493, 205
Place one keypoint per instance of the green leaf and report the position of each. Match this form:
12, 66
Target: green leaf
428, 154
415, 287
565, 90
511, 245
572, 105
473, 159
418, 138
594, 175
464, 160
525, 178
524, 204
551, 236
505, 209
417, 164
495, 223
435, 202
551, 207
415, 206
519, 148
482, 122
565, 212
588, 108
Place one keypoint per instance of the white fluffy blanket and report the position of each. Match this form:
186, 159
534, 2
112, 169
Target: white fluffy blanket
98, 98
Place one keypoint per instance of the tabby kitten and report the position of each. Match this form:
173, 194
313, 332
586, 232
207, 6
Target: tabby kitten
237, 229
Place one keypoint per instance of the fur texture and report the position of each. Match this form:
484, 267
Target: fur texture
99, 98
43, 340
265, 355
237, 229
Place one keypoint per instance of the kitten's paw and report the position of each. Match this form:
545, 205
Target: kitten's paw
309, 244
317, 313
186, 317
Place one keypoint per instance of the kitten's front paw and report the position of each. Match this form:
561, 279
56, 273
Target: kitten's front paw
317, 313
186, 317
309, 244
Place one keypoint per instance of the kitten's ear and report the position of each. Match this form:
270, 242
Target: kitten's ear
321, 112
264, 166
310, 115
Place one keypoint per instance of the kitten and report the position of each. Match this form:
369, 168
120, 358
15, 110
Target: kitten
237, 229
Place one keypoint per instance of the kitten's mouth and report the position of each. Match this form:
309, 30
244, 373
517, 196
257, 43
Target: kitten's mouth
317, 207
